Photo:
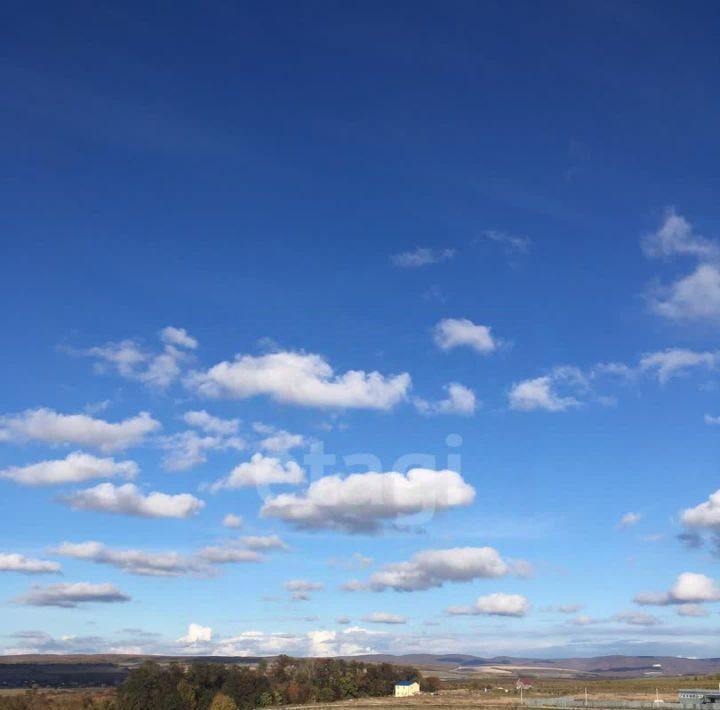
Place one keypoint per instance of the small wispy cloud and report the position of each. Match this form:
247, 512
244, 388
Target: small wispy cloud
421, 256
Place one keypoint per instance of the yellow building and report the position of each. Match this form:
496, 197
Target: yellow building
405, 688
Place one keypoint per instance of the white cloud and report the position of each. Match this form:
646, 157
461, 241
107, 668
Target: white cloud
432, 568
692, 610
50, 427
282, 441
381, 617
362, 501
568, 608
178, 337
69, 596
497, 604
539, 393
233, 521
131, 361
421, 256
353, 585
709, 419
264, 542
350, 641
456, 332
704, 515
259, 471
628, 520
227, 555
129, 500
675, 236
188, 449
74, 468
637, 618
160, 564
13, 562
197, 634
519, 245
676, 361
693, 297
301, 379
301, 588
460, 400
200, 419
690, 588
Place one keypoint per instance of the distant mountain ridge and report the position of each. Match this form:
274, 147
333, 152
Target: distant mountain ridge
464, 664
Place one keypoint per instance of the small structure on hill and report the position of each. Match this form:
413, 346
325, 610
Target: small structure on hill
404, 688
523, 684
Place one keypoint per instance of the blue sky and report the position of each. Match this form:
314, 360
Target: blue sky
469, 253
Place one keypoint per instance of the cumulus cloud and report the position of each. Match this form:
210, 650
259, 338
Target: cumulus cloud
676, 361
457, 332
301, 379
433, 568
690, 588
69, 596
13, 562
178, 337
161, 564
233, 521
696, 295
131, 361
277, 441
704, 515
628, 520
264, 542
362, 501
188, 449
459, 400
676, 236
637, 618
51, 427
200, 419
74, 468
197, 634
692, 610
227, 555
260, 471
421, 256
128, 499
381, 617
543, 392
301, 588
497, 604
350, 641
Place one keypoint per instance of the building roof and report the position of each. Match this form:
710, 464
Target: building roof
406, 682
703, 691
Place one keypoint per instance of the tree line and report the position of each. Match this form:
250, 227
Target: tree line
284, 681
217, 686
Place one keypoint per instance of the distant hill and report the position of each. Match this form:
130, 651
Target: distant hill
58, 670
598, 666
